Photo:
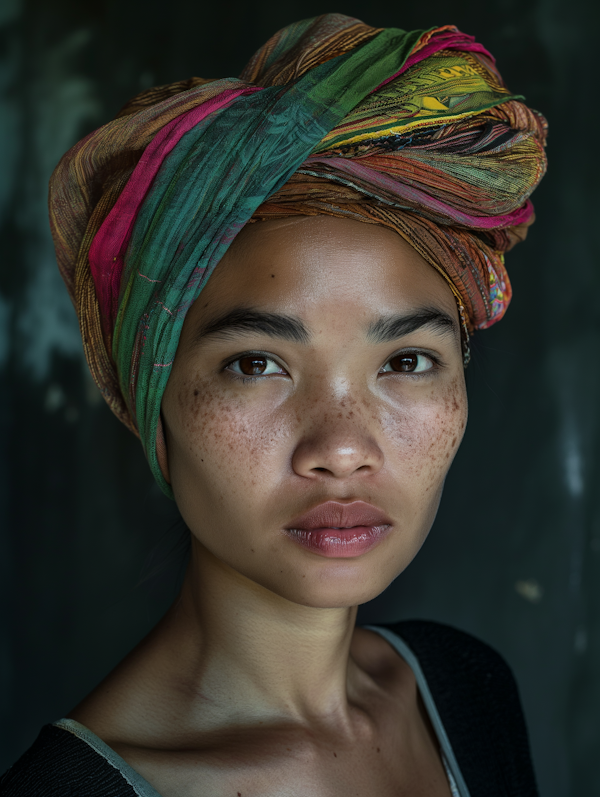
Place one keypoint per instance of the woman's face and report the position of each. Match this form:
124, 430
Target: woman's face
321, 363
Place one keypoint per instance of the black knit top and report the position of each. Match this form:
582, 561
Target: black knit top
468, 689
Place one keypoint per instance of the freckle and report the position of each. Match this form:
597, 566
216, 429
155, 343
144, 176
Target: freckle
335, 755
378, 750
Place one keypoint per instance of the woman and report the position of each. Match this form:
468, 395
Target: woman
276, 279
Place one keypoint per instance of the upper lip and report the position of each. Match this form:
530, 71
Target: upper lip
333, 514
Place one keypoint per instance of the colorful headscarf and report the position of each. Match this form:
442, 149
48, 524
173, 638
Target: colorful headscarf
412, 130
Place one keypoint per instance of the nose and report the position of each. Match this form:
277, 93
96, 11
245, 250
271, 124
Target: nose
337, 448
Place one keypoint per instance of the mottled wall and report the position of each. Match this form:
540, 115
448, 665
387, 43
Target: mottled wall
514, 556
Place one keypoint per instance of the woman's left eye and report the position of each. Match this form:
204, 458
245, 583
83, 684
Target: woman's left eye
407, 363
255, 365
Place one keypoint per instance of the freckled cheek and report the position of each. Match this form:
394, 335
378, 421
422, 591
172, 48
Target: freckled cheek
422, 441
238, 440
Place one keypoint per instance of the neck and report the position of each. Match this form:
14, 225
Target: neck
242, 648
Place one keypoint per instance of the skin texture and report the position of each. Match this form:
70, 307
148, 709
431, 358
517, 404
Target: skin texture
252, 456
256, 682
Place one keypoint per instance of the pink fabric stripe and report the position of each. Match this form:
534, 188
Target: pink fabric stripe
108, 248
364, 174
446, 40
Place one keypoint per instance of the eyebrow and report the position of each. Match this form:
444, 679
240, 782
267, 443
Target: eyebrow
290, 328
390, 328
242, 320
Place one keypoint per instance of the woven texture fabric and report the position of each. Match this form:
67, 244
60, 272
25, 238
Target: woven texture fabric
59, 764
477, 698
472, 687
412, 130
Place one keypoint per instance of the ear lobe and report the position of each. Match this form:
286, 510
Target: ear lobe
161, 451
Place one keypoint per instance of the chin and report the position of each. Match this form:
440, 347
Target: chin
341, 586
334, 599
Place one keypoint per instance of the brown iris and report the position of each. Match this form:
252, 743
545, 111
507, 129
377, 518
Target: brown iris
253, 365
404, 362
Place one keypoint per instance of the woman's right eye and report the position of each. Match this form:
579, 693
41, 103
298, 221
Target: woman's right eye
255, 365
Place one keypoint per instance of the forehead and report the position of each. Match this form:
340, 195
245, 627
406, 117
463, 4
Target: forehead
309, 264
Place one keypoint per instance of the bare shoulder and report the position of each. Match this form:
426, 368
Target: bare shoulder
126, 700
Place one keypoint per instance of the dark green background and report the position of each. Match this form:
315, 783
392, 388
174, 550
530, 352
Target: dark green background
514, 556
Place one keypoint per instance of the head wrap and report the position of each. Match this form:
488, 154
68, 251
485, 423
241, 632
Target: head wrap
412, 130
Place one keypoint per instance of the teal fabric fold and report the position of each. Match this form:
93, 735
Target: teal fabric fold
207, 189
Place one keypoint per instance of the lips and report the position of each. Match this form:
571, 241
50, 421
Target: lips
340, 531
334, 515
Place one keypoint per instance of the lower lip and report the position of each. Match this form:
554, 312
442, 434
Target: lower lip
340, 543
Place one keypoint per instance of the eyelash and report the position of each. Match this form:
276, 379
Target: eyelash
248, 379
437, 364
435, 360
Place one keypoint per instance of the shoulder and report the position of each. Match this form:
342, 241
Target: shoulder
478, 701
467, 677
58, 764
453, 657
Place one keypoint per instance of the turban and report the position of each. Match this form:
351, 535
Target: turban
412, 130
